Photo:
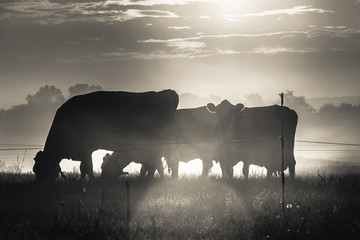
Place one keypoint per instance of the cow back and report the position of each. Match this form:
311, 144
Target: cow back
112, 120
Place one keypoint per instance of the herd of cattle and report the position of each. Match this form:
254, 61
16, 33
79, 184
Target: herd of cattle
144, 127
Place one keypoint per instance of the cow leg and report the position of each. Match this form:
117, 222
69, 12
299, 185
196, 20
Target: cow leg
175, 169
269, 173
147, 170
82, 171
86, 167
206, 168
159, 167
245, 170
292, 171
90, 170
151, 172
143, 170
230, 171
151, 168
173, 166
227, 170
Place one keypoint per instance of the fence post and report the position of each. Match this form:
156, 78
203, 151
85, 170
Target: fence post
127, 184
282, 152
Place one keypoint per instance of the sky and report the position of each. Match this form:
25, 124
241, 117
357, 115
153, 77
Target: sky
228, 48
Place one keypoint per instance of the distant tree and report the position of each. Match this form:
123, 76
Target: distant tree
253, 100
343, 108
79, 89
2, 165
298, 103
327, 108
347, 107
47, 94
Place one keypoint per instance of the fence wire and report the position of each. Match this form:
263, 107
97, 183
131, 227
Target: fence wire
310, 143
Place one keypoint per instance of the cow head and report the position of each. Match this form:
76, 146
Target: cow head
112, 166
45, 169
226, 113
225, 109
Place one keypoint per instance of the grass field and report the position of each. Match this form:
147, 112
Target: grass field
317, 206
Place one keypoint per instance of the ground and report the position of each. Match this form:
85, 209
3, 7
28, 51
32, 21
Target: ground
317, 206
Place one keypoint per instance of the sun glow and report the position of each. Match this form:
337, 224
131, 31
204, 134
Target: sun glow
192, 168
238, 6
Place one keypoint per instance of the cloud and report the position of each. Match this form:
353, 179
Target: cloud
180, 27
267, 51
158, 54
155, 2
94, 39
287, 36
231, 17
333, 31
178, 49
277, 50
231, 35
197, 50
182, 45
169, 35
288, 11
48, 13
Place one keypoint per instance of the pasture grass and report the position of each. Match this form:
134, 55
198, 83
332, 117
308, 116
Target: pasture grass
319, 206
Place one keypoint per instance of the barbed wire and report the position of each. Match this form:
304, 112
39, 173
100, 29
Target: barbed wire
19, 149
21, 144
23, 147
326, 150
329, 143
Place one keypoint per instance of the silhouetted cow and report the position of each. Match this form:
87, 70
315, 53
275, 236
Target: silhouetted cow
252, 135
117, 121
194, 137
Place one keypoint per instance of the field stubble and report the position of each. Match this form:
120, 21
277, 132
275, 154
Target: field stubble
321, 206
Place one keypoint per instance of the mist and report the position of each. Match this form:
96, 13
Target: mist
26, 127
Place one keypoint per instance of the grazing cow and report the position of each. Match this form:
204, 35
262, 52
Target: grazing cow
116, 121
194, 136
252, 135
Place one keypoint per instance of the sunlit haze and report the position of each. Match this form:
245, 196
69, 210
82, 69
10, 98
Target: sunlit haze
209, 49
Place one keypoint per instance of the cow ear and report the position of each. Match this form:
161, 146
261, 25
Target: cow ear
211, 107
39, 156
239, 107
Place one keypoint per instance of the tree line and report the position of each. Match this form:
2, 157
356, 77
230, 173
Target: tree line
31, 121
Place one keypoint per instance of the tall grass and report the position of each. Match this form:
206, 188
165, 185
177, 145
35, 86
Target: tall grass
318, 206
